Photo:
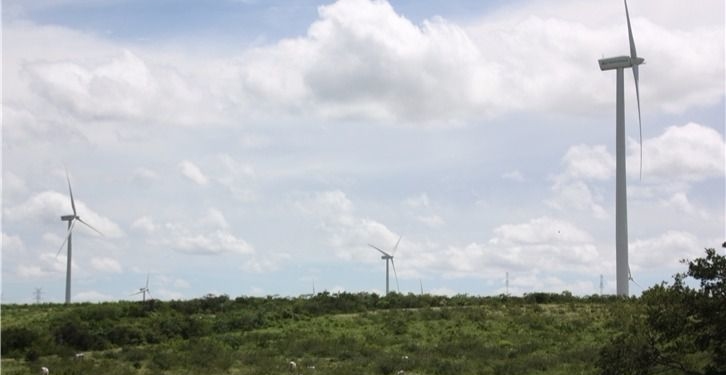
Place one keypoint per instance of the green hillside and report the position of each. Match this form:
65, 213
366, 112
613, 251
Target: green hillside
670, 329
335, 334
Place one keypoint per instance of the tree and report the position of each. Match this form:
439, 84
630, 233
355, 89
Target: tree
675, 329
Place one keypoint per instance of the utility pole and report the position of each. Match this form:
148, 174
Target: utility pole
506, 284
601, 284
38, 292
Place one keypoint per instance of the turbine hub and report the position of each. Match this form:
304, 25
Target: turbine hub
68, 217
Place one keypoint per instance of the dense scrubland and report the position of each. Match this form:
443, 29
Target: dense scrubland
670, 329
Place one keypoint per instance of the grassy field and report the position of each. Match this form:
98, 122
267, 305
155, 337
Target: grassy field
327, 334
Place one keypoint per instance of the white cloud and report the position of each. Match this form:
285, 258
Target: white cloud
106, 265
680, 202
237, 176
362, 60
514, 175
589, 163
583, 165
665, 251
193, 173
208, 234
432, 221
49, 205
214, 219
214, 243
541, 230
691, 152
265, 264
348, 234
145, 224
576, 195
47, 265
12, 244
144, 176
418, 201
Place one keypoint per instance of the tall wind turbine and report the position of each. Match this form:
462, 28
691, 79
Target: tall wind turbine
619, 64
71, 219
143, 291
389, 257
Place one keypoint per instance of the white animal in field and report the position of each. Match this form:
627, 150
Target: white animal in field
44, 371
292, 365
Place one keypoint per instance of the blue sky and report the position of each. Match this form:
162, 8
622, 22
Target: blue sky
253, 148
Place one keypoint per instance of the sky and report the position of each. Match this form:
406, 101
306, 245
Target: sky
256, 148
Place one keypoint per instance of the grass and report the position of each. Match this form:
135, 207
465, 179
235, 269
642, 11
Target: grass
483, 337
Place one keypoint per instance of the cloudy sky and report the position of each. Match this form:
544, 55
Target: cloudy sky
256, 147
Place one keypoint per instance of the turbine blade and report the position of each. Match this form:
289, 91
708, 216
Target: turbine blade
89, 225
640, 125
634, 57
68, 235
395, 275
393, 251
70, 191
630, 277
633, 54
382, 252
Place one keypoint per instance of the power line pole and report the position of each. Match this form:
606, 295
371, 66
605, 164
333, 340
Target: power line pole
601, 284
38, 292
506, 284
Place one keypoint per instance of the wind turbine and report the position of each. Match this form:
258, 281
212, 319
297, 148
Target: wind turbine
619, 64
144, 290
71, 219
386, 256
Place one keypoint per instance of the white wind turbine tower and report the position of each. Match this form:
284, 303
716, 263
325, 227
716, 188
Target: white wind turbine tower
386, 256
71, 219
621, 206
143, 291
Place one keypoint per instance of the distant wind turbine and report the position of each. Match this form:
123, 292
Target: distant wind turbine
386, 256
143, 291
71, 219
621, 206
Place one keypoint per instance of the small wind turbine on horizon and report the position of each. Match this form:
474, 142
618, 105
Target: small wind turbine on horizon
389, 257
143, 291
71, 219
619, 64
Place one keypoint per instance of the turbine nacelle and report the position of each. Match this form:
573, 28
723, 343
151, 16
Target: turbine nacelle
620, 62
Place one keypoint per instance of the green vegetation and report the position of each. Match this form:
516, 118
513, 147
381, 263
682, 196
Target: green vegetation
675, 329
367, 334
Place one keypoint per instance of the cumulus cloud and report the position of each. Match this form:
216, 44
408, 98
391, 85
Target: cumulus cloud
589, 163
680, 202
348, 233
12, 244
541, 230
665, 250
46, 265
145, 224
432, 221
691, 152
193, 173
210, 235
362, 60
217, 242
583, 165
106, 265
514, 175
48, 205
